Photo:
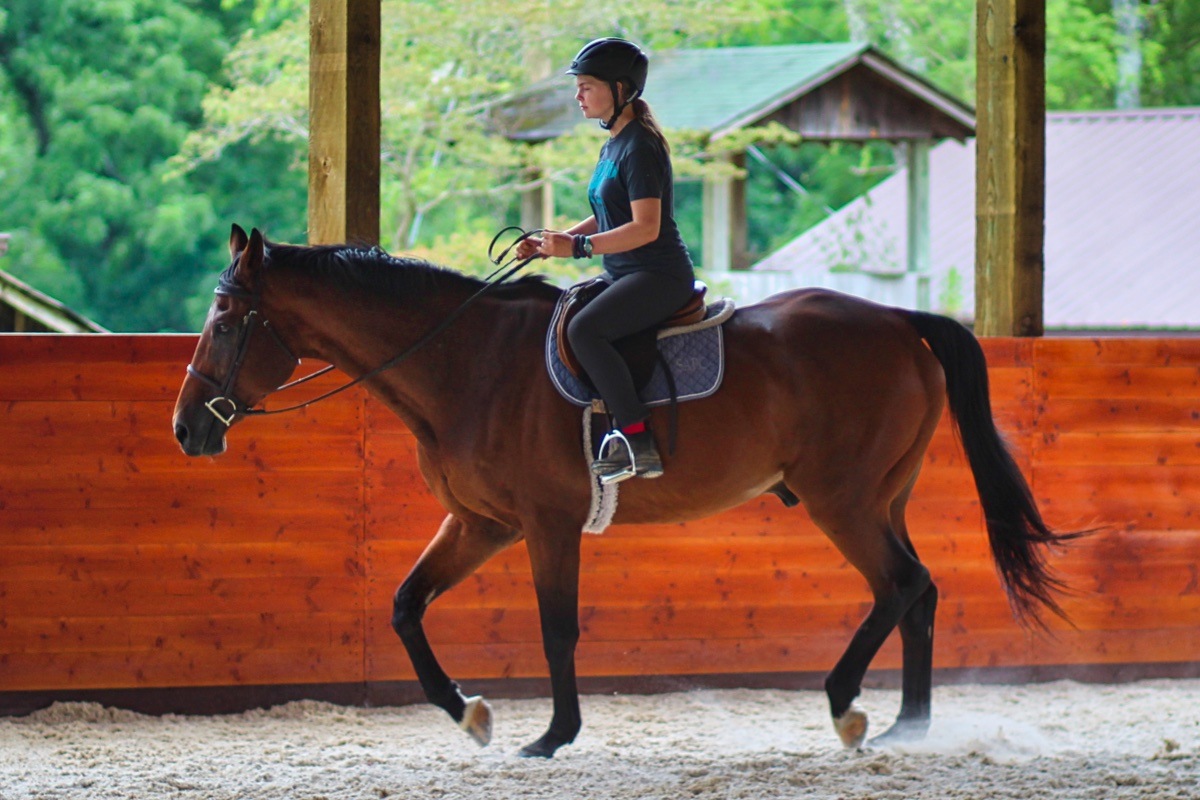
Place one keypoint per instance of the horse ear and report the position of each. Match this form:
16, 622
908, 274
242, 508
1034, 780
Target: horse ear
251, 260
237, 241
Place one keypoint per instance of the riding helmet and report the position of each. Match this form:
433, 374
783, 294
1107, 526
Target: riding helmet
613, 60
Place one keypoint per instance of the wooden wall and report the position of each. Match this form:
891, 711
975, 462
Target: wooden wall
124, 564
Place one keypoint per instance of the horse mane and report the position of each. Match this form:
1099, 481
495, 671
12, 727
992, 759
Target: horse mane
373, 270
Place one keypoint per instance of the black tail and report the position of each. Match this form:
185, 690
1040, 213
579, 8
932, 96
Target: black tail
1016, 532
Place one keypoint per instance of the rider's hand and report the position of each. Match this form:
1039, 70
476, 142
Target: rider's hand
528, 248
557, 244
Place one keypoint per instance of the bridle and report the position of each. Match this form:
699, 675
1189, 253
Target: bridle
227, 287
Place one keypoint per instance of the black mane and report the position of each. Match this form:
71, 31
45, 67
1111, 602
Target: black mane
374, 271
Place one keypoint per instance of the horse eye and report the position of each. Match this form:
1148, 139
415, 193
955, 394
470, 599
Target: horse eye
223, 328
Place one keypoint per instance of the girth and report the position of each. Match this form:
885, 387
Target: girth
640, 349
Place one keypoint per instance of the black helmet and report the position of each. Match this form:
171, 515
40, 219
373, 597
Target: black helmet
613, 60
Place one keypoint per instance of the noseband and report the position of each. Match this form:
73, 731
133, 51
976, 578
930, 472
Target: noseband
226, 287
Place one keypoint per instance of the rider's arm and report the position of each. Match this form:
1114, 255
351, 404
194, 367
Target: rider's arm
642, 230
586, 228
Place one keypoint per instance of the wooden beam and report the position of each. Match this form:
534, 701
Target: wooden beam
1010, 167
343, 148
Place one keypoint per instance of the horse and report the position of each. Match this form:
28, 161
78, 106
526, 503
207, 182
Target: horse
827, 399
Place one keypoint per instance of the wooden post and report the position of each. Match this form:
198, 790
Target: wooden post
537, 207
1010, 180
739, 238
917, 159
724, 220
343, 144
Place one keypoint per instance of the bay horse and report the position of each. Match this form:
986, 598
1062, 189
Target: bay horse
828, 399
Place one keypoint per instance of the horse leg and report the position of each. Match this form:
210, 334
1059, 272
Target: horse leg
458, 549
554, 557
916, 633
897, 580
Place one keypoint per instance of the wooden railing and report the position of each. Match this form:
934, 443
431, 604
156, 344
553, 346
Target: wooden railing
124, 564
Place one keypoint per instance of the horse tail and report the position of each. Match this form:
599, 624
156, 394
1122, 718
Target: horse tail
1016, 533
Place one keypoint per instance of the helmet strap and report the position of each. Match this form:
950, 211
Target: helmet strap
618, 106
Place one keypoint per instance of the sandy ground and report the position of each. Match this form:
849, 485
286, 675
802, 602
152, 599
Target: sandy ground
1057, 740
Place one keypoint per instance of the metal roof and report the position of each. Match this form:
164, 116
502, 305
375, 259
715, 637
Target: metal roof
1122, 242
720, 89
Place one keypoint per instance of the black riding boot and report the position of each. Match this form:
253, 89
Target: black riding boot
622, 461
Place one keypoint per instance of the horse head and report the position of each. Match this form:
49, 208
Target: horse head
239, 359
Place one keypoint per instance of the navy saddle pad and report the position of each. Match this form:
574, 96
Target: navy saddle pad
695, 354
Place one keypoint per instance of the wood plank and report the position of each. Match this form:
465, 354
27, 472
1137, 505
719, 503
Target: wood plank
1151, 485
1120, 414
229, 632
56, 527
1007, 351
1133, 350
1120, 448
117, 348
154, 668
1119, 380
150, 597
199, 490
106, 564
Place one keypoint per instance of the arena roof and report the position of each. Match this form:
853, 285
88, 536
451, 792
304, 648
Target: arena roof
722, 89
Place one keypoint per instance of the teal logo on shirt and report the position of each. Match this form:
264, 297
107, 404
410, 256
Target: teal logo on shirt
604, 171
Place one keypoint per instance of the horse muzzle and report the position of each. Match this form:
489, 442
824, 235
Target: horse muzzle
200, 433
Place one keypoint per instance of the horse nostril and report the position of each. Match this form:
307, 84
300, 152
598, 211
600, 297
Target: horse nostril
181, 433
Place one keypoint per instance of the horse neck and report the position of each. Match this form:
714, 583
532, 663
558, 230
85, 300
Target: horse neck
357, 332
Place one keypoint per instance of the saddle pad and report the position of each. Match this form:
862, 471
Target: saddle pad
695, 353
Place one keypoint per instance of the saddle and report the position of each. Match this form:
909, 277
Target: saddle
639, 350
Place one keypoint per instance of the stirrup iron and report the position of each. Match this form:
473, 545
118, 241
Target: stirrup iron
628, 472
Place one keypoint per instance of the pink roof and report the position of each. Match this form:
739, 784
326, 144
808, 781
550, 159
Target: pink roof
1122, 222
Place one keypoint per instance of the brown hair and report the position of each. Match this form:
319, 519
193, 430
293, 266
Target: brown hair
643, 114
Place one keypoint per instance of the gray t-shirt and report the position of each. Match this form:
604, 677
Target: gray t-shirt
633, 165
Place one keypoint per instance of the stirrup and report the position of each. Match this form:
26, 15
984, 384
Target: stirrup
609, 478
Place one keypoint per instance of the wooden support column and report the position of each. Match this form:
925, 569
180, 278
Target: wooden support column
343, 101
724, 219
919, 257
1010, 178
537, 206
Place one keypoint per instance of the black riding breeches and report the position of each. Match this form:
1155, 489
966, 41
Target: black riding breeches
630, 304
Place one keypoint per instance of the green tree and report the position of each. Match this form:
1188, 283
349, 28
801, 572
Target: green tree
445, 174
102, 94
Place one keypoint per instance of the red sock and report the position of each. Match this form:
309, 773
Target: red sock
637, 427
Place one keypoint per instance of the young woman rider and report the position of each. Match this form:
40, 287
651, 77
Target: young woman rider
646, 265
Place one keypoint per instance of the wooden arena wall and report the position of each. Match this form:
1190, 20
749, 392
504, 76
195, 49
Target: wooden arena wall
124, 564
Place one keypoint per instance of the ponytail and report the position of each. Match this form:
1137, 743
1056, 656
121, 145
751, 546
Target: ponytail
643, 114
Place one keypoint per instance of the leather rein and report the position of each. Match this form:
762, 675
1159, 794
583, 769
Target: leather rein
226, 287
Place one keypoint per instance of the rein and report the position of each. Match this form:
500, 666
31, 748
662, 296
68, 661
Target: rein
230, 289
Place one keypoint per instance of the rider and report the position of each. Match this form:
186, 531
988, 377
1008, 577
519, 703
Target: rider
646, 264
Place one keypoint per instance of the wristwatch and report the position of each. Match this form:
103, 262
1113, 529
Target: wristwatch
587, 247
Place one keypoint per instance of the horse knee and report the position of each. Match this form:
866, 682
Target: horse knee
916, 584
407, 611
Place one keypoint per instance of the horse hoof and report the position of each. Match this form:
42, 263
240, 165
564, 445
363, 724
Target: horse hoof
851, 726
477, 720
544, 747
903, 732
